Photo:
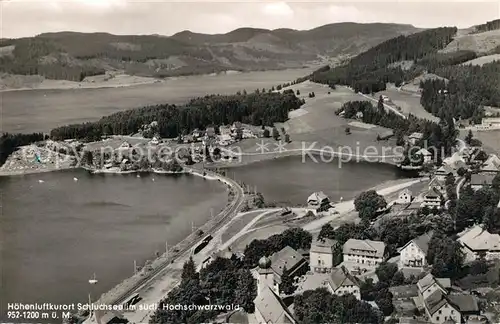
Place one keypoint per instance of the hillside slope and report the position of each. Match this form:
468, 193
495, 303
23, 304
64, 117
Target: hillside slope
73, 56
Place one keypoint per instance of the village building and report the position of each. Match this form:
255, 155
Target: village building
359, 115
440, 306
269, 308
125, 145
405, 197
433, 198
321, 255
481, 180
339, 282
477, 242
154, 141
442, 172
492, 164
363, 254
414, 253
415, 137
426, 155
290, 259
318, 201
493, 122
404, 292
438, 184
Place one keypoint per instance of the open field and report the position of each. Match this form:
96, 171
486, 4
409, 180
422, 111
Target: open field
409, 103
479, 43
260, 234
238, 224
483, 60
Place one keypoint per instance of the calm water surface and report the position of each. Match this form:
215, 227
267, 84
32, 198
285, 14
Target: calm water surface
290, 180
54, 235
41, 110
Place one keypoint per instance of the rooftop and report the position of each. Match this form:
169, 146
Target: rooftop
481, 179
272, 308
364, 247
421, 241
416, 135
287, 257
323, 246
479, 239
318, 196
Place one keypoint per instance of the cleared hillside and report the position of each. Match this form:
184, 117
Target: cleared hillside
483, 60
484, 42
74, 56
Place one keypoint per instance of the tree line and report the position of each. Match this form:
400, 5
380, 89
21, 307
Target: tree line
490, 25
258, 108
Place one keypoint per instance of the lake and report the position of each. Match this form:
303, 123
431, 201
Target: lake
42, 110
54, 235
289, 180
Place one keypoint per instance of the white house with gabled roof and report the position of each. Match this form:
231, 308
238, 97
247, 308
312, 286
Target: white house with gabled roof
414, 253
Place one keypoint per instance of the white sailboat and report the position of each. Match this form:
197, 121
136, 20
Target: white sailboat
93, 280
75, 179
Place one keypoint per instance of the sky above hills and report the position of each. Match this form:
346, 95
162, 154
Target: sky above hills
20, 18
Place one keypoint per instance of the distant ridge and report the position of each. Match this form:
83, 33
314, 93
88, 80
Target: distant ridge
74, 55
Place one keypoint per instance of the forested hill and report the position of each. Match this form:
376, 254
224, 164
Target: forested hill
371, 70
490, 25
73, 56
258, 108
465, 91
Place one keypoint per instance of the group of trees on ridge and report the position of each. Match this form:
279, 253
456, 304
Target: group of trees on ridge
440, 136
258, 108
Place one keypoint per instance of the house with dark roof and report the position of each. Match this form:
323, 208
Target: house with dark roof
414, 253
321, 255
318, 201
290, 259
442, 307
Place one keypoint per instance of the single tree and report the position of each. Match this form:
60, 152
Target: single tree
246, 290
287, 286
189, 271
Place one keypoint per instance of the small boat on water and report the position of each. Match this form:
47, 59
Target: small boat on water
93, 280
41, 181
138, 176
75, 179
